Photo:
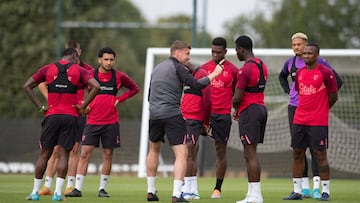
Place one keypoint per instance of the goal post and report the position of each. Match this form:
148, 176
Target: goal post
344, 123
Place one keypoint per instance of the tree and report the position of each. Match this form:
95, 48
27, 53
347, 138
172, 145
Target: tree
330, 23
28, 40
26, 43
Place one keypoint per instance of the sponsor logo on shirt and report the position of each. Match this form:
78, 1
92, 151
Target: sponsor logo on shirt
217, 83
61, 86
306, 90
104, 88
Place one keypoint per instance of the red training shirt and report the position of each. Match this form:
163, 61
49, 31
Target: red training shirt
195, 106
102, 109
222, 87
249, 76
314, 87
62, 103
81, 91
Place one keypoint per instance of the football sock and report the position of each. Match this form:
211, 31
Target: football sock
305, 183
297, 185
151, 184
194, 185
219, 183
316, 180
59, 184
177, 188
79, 181
48, 182
187, 185
103, 181
255, 189
325, 186
37, 185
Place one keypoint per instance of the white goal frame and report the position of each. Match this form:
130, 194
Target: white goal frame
150, 56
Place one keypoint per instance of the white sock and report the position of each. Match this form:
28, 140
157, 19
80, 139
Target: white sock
305, 183
103, 181
255, 189
316, 180
151, 184
177, 188
249, 192
70, 181
194, 185
37, 185
59, 184
48, 182
297, 185
325, 186
79, 181
186, 188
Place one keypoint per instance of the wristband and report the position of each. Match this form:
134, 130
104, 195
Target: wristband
42, 109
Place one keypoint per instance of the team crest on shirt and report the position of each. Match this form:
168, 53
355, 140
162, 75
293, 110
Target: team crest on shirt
316, 77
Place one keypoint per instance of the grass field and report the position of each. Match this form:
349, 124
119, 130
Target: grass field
14, 188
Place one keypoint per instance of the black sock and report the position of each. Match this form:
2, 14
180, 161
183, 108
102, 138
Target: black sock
218, 184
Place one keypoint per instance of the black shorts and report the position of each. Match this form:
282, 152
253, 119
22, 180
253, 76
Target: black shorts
314, 137
109, 135
173, 127
81, 123
220, 127
59, 129
194, 129
252, 124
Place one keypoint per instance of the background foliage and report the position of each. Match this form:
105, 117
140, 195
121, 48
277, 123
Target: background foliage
330, 23
29, 39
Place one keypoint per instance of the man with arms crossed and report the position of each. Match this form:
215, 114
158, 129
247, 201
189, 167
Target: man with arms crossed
317, 90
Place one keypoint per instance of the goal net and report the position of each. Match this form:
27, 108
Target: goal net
344, 125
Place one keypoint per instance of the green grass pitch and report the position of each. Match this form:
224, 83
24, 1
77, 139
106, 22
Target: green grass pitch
124, 189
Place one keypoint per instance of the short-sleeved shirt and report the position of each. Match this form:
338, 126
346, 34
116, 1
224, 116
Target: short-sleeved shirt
314, 86
298, 63
102, 109
222, 87
249, 76
196, 104
62, 103
81, 91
